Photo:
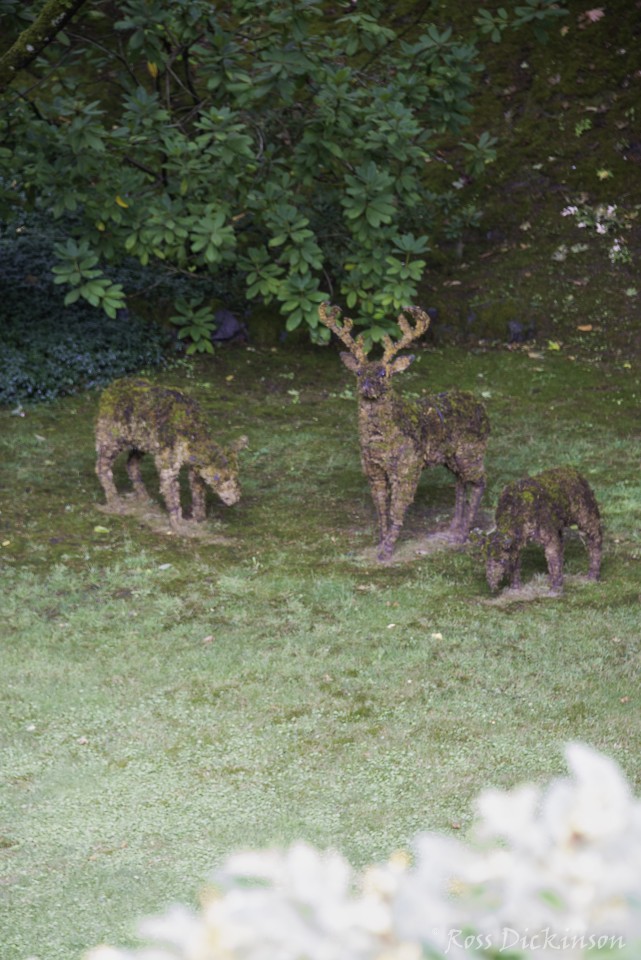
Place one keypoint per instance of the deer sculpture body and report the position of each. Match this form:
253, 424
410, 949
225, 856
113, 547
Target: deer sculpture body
541, 509
139, 417
399, 437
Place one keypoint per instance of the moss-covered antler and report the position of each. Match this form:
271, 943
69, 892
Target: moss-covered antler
329, 316
422, 322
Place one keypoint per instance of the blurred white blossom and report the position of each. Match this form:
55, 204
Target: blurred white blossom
546, 872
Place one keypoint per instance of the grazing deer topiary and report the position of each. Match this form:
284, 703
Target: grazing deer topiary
539, 509
399, 437
139, 417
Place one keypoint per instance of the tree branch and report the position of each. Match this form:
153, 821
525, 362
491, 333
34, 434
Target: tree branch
51, 20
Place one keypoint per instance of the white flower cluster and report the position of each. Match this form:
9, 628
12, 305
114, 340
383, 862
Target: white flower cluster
604, 219
553, 872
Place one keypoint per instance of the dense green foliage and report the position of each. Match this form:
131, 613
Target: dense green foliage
295, 146
49, 349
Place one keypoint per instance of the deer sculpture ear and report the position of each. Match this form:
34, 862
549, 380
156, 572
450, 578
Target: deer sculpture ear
350, 362
433, 418
400, 364
478, 539
498, 542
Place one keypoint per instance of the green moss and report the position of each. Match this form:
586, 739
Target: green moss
168, 412
532, 99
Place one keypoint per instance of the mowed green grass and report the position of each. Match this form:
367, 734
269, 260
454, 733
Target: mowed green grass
166, 701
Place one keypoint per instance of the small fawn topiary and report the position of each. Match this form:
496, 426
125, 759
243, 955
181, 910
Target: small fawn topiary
540, 509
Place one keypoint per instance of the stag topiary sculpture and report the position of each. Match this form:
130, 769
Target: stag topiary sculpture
399, 437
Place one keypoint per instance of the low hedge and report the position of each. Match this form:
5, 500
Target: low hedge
48, 349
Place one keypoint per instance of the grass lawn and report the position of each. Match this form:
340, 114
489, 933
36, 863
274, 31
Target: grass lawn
166, 700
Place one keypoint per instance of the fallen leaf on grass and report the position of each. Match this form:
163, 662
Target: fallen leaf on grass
103, 851
100, 530
585, 327
123, 593
591, 16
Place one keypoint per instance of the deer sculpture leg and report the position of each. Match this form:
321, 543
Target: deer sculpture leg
589, 525
594, 546
107, 454
474, 500
515, 579
554, 557
170, 491
133, 471
470, 485
468, 498
198, 492
457, 527
401, 494
380, 492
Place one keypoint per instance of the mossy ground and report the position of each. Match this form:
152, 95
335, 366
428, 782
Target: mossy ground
566, 115
168, 700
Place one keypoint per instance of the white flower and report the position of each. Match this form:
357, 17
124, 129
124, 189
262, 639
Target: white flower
544, 872
301, 905
596, 805
107, 953
567, 863
510, 816
181, 930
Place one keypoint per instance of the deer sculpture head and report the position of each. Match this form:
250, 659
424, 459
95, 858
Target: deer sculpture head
374, 376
